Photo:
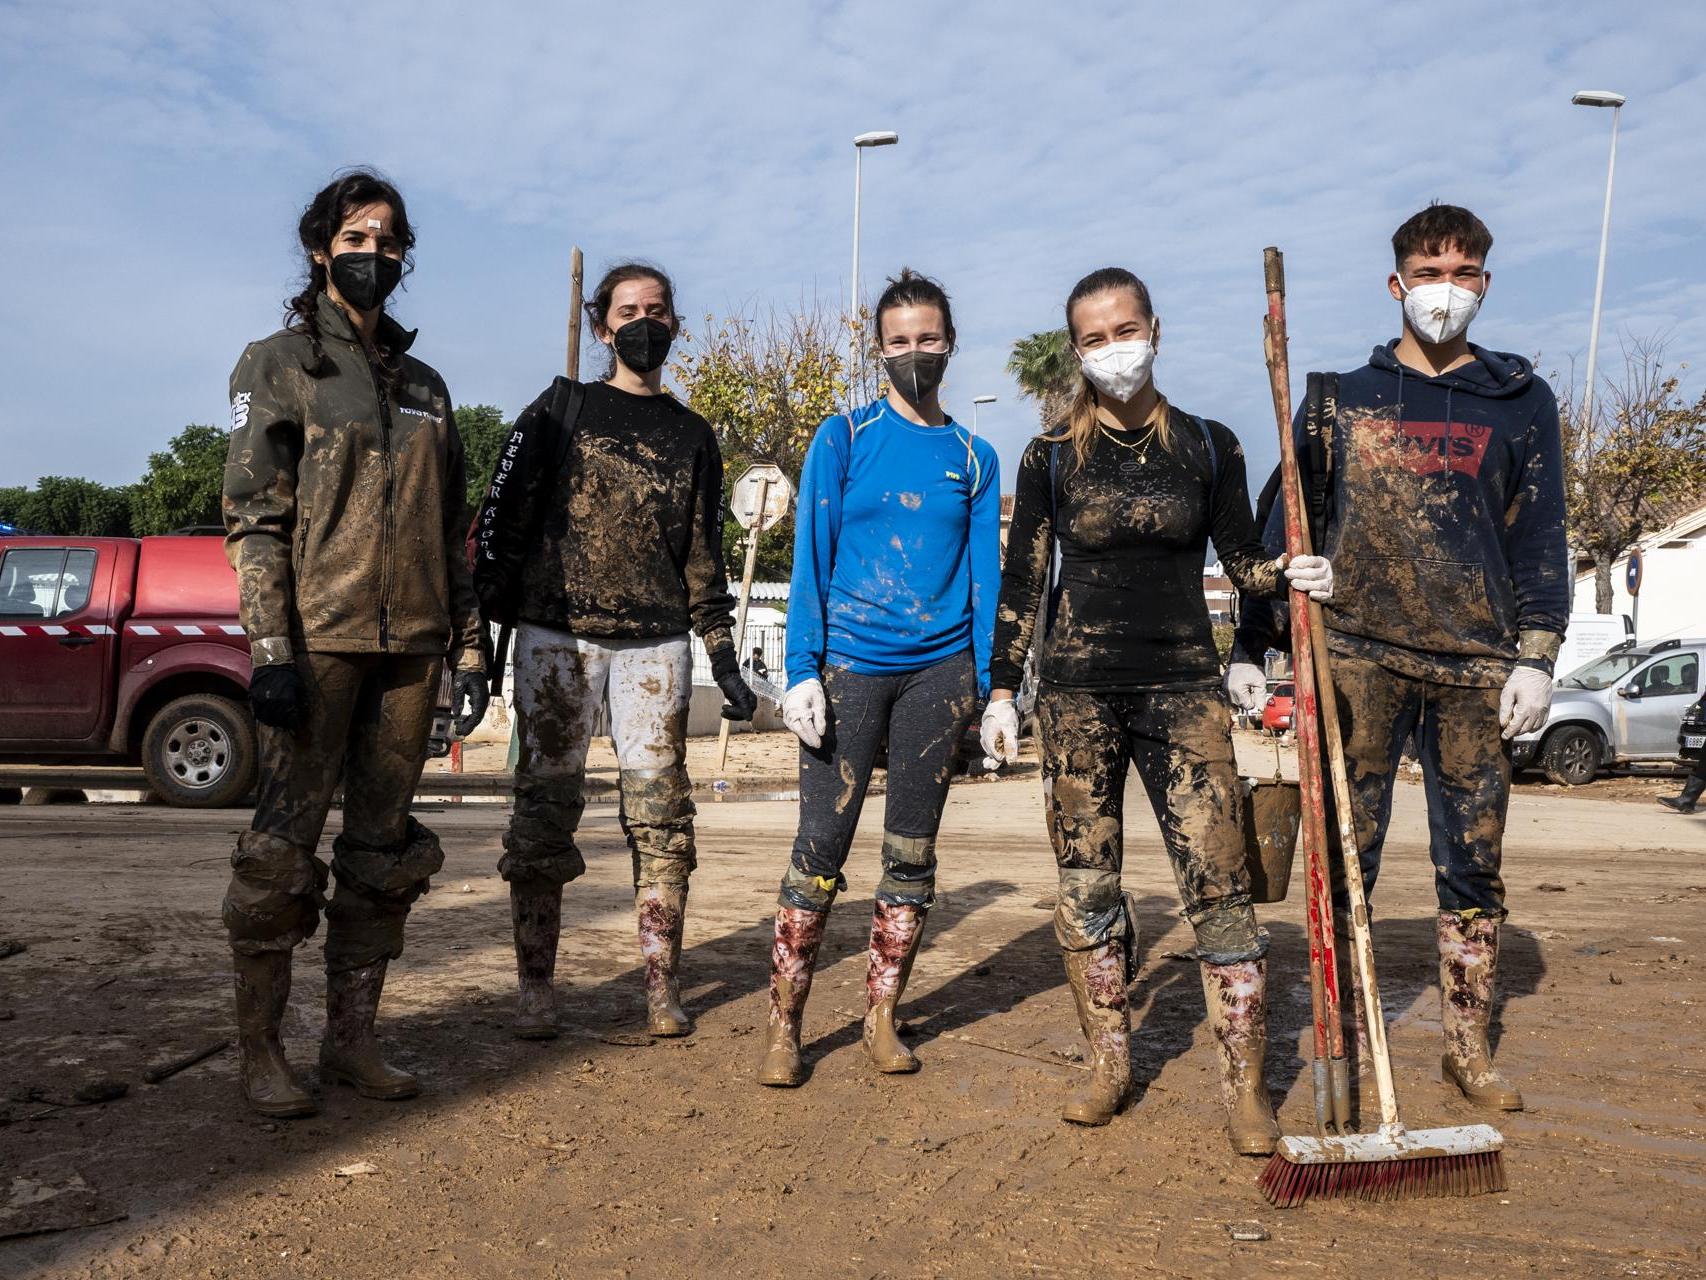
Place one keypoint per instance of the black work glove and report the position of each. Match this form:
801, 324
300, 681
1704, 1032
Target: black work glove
741, 700
473, 687
278, 696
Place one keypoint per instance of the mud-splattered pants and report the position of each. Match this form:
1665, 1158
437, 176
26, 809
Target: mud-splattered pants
367, 723
923, 714
1466, 772
1181, 743
561, 683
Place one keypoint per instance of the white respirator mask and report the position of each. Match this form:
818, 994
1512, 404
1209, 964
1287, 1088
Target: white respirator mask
1119, 369
1438, 312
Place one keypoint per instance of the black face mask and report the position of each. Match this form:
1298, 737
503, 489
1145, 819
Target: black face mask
643, 344
916, 374
366, 279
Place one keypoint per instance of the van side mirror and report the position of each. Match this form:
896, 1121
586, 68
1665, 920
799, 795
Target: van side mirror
1630, 691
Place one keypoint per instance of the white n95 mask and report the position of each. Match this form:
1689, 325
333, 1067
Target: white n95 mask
1119, 369
1439, 311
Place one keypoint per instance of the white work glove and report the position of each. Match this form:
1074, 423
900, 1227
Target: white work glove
806, 713
1312, 575
1246, 686
1524, 701
999, 732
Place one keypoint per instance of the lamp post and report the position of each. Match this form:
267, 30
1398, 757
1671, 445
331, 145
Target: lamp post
1600, 98
975, 401
881, 138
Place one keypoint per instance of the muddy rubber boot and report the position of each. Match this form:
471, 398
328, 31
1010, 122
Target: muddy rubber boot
1098, 981
792, 958
895, 934
1238, 1017
1468, 964
270, 1087
1685, 800
662, 914
536, 911
350, 1053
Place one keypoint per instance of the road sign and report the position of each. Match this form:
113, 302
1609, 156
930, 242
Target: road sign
1633, 577
764, 483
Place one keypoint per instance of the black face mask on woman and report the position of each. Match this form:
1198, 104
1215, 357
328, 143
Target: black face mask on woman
916, 374
365, 280
643, 344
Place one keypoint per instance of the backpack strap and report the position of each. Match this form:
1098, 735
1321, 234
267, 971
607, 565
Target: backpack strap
1320, 420
1213, 454
1054, 535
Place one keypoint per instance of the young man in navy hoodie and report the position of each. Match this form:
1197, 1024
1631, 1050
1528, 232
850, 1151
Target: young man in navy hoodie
1444, 521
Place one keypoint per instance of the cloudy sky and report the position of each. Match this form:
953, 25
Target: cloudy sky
156, 156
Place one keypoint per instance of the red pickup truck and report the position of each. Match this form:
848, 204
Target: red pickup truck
114, 650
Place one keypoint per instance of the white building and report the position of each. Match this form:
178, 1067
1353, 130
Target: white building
1673, 579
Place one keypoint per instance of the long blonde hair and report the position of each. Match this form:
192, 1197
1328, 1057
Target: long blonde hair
1078, 425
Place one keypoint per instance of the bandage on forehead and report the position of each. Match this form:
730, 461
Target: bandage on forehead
373, 224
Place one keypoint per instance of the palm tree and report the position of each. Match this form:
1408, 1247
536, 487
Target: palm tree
1046, 368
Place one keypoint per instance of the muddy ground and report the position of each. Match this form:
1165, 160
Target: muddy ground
605, 1153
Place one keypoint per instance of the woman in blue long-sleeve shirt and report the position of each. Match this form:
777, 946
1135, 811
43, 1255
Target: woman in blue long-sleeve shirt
891, 616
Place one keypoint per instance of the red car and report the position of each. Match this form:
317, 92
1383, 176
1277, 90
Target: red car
1276, 714
127, 650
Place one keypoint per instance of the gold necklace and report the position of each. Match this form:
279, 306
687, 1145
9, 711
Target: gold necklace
1140, 447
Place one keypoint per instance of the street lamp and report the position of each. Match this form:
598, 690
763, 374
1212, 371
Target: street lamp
1599, 98
975, 401
880, 138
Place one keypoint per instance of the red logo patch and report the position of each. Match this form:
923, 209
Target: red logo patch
1425, 448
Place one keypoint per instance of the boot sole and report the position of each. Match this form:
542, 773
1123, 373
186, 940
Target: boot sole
1087, 1121
669, 1030
282, 1111
1449, 1077
397, 1094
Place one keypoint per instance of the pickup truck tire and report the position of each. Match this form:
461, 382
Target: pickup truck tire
1571, 756
200, 752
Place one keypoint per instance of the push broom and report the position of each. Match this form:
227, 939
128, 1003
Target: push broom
1393, 1163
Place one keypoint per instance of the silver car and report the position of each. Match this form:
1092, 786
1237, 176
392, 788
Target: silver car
1623, 708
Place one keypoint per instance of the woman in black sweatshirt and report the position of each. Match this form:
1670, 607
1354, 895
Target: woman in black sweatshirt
1131, 489
606, 510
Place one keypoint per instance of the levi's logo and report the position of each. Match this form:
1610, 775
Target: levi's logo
1424, 448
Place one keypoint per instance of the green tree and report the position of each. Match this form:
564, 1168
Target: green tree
765, 383
12, 499
182, 485
1625, 468
75, 507
483, 431
1046, 368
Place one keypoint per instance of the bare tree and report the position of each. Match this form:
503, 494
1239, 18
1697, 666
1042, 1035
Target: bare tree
1623, 471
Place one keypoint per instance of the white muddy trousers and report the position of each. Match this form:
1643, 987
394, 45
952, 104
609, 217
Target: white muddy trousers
562, 681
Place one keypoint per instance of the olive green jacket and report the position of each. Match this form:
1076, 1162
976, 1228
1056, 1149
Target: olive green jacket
343, 502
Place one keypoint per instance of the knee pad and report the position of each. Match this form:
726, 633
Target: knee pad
277, 890
808, 892
909, 871
1091, 910
1227, 933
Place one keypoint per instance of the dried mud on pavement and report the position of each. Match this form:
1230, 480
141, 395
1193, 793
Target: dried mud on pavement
608, 1153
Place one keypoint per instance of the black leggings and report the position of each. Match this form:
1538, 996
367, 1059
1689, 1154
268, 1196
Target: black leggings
923, 714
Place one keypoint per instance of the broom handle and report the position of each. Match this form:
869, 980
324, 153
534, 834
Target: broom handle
1362, 939
1323, 968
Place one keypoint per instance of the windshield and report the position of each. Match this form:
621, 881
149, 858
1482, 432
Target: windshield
1603, 672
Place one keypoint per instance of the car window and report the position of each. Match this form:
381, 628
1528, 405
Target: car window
1604, 672
1675, 673
45, 582
1282, 691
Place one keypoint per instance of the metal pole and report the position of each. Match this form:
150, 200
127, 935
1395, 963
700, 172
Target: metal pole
740, 610
1599, 280
855, 356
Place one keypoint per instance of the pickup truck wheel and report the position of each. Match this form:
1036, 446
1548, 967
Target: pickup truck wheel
1571, 756
200, 752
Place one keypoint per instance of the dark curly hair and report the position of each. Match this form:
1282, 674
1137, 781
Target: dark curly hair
350, 190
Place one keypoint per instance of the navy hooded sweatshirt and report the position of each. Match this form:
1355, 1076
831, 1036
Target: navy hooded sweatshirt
1445, 524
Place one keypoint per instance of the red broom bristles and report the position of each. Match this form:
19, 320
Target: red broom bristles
1287, 1185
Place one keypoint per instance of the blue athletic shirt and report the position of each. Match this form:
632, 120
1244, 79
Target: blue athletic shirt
897, 548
